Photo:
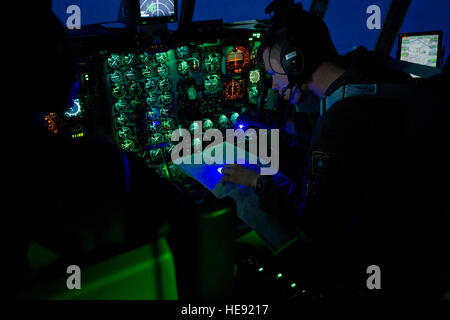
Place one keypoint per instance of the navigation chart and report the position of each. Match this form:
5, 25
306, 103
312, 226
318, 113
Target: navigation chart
421, 49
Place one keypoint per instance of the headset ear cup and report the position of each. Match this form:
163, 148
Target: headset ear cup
292, 61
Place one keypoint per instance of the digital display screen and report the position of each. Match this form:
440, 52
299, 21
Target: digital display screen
157, 8
420, 48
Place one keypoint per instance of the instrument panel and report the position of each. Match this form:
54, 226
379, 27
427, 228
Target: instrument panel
139, 95
154, 93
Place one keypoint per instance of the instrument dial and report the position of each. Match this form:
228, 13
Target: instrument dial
194, 63
162, 70
207, 124
152, 99
166, 98
116, 77
183, 68
212, 62
168, 124
254, 76
212, 83
234, 118
121, 106
149, 71
132, 74
146, 59
165, 84
128, 145
119, 92
237, 60
233, 90
135, 89
183, 52
115, 62
162, 57
74, 110
131, 59
222, 121
125, 133
151, 85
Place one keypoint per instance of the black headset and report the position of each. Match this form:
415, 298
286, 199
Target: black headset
292, 58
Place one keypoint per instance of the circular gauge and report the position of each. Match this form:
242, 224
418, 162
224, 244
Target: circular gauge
152, 114
135, 89
162, 70
156, 155
168, 124
197, 144
194, 63
132, 74
207, 124
234, 118
145, 59
212, 62
128, 145
237, 60
233, 90
162, 57
119, 92
183, 68
151, 85
137, 104
192, 93
151, 99
223, 121
125, 133
194, 127
183, 52
254, 76
121, 106
131, 59
165, 84
156, 138
212, 83
149, 71
163, 112
116, 77
74, 110
122, 119
115, 61
165, 98
253, 95
168, 137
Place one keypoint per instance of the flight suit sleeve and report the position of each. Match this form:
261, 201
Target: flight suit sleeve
280, 196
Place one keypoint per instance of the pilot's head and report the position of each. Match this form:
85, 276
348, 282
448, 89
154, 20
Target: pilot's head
292, 50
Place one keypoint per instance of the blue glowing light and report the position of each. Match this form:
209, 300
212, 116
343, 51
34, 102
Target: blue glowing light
74, 110
241, 126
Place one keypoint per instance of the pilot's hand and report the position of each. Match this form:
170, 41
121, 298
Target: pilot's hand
238, 174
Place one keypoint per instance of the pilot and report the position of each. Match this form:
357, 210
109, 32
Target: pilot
354, 202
